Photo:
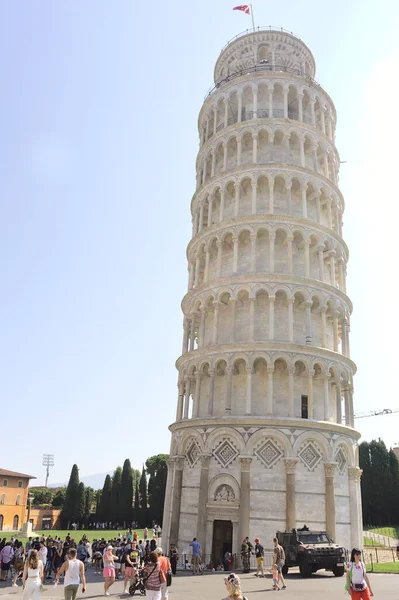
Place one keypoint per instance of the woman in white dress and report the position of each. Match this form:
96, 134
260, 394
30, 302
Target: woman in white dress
32, 578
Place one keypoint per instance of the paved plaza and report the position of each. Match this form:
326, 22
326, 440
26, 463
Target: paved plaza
210, 586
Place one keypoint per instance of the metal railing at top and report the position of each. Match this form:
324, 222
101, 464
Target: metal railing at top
261, 28
258, 69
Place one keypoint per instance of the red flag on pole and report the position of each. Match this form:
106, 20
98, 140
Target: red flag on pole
244, 7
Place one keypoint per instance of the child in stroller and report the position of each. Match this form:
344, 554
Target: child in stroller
138, 583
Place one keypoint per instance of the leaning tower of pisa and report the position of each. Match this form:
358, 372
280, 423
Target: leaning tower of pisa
264, 436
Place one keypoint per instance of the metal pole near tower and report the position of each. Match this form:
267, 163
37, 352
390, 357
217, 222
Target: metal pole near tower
48, 461
252, 15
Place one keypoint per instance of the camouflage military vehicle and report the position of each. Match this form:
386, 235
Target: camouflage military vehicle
311, 551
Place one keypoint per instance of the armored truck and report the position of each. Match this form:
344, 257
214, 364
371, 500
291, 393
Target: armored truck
311, 551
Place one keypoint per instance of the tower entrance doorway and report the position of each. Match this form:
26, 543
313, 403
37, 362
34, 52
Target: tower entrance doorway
222, 541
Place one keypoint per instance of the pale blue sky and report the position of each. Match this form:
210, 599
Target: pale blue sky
99, 109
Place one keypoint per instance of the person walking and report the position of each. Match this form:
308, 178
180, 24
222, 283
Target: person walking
32, 577
165, 568
259, 554
130, 571
233, 588
196, 556
73, 570
279, 560
153, 577
18, 563
109, 569
6, 556
357, 581
174, 556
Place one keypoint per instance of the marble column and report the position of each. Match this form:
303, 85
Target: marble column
271, 317
245, 495
290, 502
291, 372
211, 391
176, 500
180, 400
355, 505
269, 399
229, 385
202, 499
339, 401
168, 501
310, 393
187, 383
329, 469
215, 323
248, 400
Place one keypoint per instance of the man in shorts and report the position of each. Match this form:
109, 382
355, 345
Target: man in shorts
279, 560
259, 553
196, 556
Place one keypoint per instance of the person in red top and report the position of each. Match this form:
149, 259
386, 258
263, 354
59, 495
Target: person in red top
165, 567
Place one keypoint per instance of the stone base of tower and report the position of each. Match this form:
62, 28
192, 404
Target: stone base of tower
240, 477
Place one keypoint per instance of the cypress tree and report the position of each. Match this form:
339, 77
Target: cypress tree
116, 495
81, 503
143, 497
393, 494
104, 513
379, 460
127, 492
366, 481
71, 498
157, 470
89, 497
136, 511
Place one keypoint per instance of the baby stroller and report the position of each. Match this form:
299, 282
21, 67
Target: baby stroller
138, 584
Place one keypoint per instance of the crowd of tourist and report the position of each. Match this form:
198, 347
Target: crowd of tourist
139, 562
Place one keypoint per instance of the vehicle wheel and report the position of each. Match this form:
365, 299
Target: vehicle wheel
285, 570
305, 570
132, 590
338, 571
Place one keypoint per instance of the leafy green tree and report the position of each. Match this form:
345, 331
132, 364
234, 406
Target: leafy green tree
104, 512
158, 472
116, 495
127, 492
70, 509
41, 495
59, 498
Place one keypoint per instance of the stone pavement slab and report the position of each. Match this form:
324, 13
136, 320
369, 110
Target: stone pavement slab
210, 586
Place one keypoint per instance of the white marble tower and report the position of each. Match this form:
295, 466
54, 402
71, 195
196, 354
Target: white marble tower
260, 442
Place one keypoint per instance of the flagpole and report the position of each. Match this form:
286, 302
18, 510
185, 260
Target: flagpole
252, 15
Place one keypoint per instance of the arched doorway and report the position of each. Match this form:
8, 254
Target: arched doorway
1, 522
222, 541
15, 523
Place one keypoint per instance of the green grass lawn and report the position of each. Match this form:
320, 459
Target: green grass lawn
91, 534
369, 542
383, 567
389, 531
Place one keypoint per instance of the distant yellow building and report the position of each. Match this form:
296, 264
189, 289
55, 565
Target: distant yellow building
13, 499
